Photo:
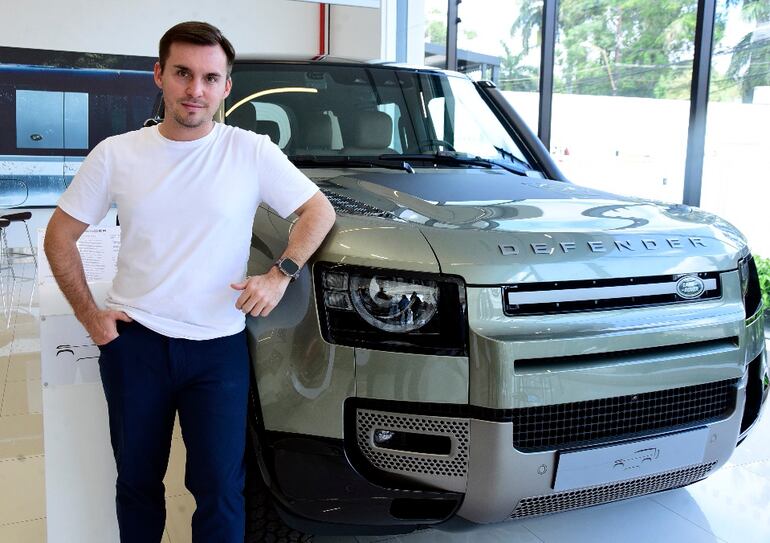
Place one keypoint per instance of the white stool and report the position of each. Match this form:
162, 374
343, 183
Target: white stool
7, 273
9, 258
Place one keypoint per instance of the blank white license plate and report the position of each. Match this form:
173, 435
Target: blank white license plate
602, 465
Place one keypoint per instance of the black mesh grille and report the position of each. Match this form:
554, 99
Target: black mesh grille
576, 424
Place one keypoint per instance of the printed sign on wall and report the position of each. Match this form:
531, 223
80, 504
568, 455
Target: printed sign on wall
98, 248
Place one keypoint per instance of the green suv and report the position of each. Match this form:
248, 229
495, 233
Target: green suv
478, 337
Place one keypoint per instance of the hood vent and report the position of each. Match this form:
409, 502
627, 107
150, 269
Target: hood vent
344, 204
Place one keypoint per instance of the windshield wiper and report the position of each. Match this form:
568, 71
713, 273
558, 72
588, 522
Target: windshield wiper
344, 161
459, 159
513, 158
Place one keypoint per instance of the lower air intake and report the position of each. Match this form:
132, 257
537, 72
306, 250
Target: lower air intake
569, 425
447, 471
595, 495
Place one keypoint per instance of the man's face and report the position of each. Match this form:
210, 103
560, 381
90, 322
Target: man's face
194, 82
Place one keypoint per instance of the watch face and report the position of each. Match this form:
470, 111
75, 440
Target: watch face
289, 267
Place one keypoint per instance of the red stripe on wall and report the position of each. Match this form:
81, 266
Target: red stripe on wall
322, 32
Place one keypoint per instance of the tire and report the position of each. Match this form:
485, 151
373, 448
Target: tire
263, 524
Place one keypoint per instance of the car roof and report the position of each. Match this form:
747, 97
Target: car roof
328, 60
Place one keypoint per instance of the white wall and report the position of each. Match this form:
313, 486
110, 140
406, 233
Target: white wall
388, 29
415, 33
370, 34
355, 32
133, 28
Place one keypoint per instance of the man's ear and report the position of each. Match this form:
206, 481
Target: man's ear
157, 71
228, 86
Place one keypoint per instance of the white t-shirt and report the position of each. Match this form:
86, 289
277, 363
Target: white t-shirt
186, 210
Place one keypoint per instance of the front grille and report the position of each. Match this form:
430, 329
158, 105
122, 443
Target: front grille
584, 497
601, 294
344, 204
569, 425
444, 470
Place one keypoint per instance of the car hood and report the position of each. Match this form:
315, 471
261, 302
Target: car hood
492, 227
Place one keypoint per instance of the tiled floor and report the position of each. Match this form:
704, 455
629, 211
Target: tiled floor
730, 506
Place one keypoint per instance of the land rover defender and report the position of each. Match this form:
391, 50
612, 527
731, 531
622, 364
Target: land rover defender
478, 337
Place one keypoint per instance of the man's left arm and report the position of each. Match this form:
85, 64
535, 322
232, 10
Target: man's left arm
261, 293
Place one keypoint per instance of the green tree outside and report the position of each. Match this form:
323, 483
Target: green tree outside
624, 47
750, 62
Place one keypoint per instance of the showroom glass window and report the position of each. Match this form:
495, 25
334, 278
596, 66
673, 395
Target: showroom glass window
735, 183
499, 40
622, 81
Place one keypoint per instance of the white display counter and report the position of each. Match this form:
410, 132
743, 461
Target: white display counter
79, 465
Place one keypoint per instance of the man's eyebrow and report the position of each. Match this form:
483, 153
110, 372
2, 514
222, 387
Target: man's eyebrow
183, 67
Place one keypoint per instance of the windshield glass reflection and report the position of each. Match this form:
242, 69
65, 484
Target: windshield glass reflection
359, 111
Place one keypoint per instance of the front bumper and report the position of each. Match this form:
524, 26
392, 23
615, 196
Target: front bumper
361, 486
318, 491
485, 462
517, 485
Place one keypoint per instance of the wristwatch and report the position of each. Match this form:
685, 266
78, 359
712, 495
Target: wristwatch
288, 267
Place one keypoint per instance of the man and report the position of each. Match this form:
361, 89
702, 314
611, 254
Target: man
172, 335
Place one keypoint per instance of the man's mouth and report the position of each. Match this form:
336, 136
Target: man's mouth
193, 106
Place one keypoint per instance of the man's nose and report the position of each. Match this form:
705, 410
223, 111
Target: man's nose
195, 87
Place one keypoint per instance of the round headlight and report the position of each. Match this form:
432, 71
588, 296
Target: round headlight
394, 304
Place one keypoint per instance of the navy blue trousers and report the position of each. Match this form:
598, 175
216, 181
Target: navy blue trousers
147, 378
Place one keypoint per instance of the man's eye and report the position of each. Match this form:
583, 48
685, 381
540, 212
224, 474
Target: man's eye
212, 79
182, 73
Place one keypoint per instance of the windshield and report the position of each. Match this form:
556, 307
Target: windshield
360, 111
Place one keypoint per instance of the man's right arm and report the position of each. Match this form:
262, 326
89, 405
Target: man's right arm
63, 256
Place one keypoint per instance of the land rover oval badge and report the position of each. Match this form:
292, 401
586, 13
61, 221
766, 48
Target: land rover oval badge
690, 287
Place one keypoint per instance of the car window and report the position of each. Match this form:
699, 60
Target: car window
263, 118
394, 113
336, 143
369, 111
436, 115
51, 119
458, 120
267, 112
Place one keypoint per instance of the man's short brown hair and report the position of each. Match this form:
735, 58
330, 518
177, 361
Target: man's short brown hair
197, 33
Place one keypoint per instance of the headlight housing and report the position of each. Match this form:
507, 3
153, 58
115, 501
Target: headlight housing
392, 310
750, 289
